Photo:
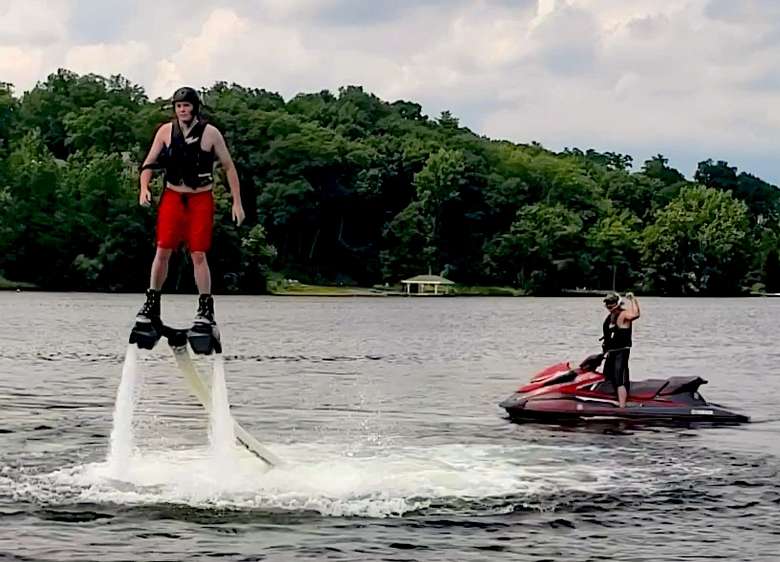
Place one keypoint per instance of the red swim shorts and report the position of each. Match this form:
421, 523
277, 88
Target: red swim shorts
185, 217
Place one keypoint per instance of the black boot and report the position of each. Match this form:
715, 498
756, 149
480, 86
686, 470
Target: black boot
150, 311
148, 326
205, 314
204, 334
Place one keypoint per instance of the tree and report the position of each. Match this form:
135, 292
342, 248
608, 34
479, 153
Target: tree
448, 120
9, 108
697, 244
102, 127
45, 106
717, 175
405, 244
35, 217
438, 183
539, 253
613, 248
608, 160
658, 167
346, 187
772, 271
257, 258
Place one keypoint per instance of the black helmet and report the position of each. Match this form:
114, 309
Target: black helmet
189, 95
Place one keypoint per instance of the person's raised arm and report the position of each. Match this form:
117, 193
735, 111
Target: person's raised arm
632, 310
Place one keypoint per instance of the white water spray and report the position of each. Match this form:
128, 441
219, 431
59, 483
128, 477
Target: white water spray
221, 434
122, 432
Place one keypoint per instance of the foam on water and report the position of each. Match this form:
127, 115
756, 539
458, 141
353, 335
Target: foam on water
321, 479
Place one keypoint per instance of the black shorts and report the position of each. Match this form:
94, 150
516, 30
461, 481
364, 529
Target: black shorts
616, 368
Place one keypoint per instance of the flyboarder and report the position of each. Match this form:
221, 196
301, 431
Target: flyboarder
185, 148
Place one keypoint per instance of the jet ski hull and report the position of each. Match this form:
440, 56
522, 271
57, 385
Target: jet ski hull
572, 408
561, 393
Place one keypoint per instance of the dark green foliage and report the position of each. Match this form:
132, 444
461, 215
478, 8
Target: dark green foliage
346, 188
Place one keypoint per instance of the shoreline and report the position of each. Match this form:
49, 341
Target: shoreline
343, 292
305, 290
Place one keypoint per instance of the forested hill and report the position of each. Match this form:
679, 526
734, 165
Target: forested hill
347, 188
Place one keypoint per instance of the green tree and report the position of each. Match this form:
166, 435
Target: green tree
46, 106
697, 244
257, 259
35, 217
9, 109
613, 249
772, 271
658, 168
540, 251
102, 127
405, 244
437, 183
346, 187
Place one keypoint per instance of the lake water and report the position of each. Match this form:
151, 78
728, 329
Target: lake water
385, 411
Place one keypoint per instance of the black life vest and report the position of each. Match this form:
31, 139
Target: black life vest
186, 163
615, 337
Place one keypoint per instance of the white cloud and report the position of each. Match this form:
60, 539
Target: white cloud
20, 65
697, 78
32, 22
127, 59
232, 48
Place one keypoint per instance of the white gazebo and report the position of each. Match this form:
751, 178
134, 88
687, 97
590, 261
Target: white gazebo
422, 281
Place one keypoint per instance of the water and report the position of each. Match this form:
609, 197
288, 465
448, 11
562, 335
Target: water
385, 412
221, 435
122, 442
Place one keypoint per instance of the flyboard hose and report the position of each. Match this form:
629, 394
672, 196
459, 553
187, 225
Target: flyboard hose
178, 340
201, 391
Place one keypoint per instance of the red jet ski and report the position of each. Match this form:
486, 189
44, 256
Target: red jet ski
561, 392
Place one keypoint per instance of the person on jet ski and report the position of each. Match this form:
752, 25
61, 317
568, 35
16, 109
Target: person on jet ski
617, 341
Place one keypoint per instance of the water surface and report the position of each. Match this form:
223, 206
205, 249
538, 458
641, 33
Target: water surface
385, 411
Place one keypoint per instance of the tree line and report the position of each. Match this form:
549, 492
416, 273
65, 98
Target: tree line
347, 188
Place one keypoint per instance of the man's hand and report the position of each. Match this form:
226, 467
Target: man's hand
145, 198
238, 213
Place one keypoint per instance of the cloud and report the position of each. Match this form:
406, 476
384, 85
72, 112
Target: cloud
744, 11
20, 65
566, 39
98, 21
688, 78
128, 59
31, 23
232, 48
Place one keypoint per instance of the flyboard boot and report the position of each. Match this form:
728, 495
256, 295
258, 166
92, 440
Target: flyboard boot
204, 335
148, 326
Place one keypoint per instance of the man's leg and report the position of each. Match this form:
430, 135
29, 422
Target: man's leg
150, 311
622, 395
160, 268
202, 272
205, 312
201, 223
621, 368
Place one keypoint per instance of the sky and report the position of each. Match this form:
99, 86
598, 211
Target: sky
689, 79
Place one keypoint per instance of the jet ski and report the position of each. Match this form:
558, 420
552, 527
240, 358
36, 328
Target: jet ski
561, 392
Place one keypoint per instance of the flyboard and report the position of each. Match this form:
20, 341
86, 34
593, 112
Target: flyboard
204, 339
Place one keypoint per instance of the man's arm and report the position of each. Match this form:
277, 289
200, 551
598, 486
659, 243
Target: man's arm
221, 150
145, 198
632, 312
